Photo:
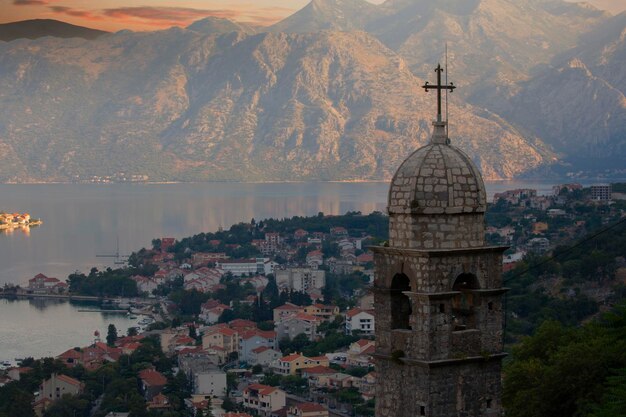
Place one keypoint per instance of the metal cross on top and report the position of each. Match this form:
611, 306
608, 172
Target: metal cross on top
439, 87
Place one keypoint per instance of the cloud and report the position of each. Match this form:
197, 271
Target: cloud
177, 16
84, 14
29, 2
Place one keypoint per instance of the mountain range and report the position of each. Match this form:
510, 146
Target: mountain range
330, 93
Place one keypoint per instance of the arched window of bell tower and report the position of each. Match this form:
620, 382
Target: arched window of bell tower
464, 317
400, 303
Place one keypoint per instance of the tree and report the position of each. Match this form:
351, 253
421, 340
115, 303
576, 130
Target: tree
111, 335
132, 331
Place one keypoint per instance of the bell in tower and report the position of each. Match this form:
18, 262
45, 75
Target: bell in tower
438, 289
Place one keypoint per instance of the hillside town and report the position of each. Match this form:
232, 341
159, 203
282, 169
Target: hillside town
268, 318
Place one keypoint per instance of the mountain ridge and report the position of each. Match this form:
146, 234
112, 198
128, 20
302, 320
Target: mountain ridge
37, 28
185, 106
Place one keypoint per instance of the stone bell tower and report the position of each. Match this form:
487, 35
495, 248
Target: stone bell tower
438, 289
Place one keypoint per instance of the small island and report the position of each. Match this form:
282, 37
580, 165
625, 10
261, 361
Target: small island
13, 220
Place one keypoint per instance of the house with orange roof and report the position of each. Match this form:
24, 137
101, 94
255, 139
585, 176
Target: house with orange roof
152, 383
41, 284
263, 398
300, 234
296, 362
213, 314
322, 311
241, 325
360, 353
55, 387
315, 259
285, 310
224, 338
358, 320
318, 375
300, 323
255, 338
307, 409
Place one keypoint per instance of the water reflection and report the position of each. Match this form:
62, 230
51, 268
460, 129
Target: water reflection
82, 220
48, 327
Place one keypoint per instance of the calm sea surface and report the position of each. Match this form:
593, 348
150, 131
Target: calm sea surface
82, 221
40, 328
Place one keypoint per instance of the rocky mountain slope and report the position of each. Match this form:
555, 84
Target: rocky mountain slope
578, 105
38, 28
492, 43
341, 15
185, 105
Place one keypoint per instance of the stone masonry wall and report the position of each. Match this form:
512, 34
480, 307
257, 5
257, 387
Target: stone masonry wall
436, 231
471, 389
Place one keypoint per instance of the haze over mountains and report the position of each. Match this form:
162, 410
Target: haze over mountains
330, 93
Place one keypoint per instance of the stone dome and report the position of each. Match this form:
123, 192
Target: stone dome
437, 179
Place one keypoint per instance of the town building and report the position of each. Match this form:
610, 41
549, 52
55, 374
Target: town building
360, 353
362, 321
223, 338
264, 356
322, 311
41, 284
601, 192
250, 340
152, 383
300, 323
300, 279
292, 364
58, 385
438, 290
264, 399
285, 310
307, 409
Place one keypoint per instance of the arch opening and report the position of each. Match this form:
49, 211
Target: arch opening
464, 317
400, 304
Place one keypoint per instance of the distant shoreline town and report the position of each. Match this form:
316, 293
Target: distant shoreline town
14, 220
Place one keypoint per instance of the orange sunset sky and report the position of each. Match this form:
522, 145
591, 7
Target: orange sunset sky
113, 15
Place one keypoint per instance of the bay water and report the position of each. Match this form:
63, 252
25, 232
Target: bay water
81, 222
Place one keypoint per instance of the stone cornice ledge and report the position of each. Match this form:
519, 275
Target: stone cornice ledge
443, 362
388, 250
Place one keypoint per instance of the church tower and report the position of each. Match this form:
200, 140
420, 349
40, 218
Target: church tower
438, 289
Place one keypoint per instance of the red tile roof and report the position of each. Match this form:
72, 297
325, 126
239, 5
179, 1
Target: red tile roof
353, 312
363, 342
242, 323
261, 349
306, 317
319, 370
152, 378
68, 380
291, 358
310, 407
288, 306
262, 389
